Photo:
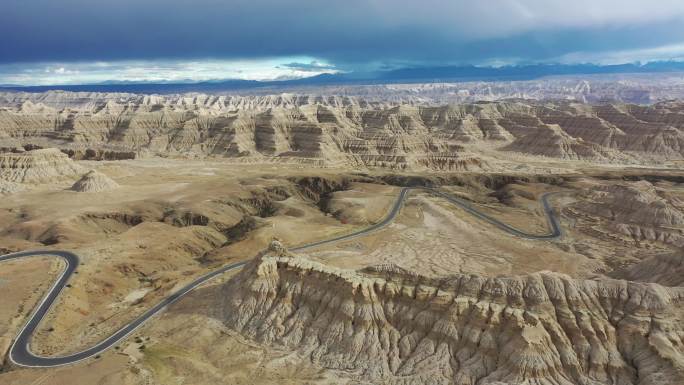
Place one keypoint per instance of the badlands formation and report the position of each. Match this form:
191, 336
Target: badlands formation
94, 181
396, 326
341, 131
37, 166
154, 191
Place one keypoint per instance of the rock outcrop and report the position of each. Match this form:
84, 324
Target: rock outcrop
38, 166
94, 181
551, 141
637, 210
339, 130
9, 187
387, 325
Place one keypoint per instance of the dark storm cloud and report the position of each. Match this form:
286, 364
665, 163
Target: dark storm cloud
348, 33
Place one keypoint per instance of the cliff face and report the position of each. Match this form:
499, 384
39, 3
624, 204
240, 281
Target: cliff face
38, 166
340, 130
385, 324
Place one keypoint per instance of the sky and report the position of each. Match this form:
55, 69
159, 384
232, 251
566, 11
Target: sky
89, 41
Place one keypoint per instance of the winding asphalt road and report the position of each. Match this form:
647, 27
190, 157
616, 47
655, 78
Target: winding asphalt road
20, 352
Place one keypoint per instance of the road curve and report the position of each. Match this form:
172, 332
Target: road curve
20, 352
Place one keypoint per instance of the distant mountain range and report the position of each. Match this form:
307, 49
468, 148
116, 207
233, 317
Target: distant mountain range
403, 75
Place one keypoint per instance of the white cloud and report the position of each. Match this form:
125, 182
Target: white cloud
661, 53
158, 71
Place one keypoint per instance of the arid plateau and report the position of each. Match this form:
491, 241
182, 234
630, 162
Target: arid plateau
359, 241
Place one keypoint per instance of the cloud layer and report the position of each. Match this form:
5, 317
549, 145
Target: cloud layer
352, 34
159, 71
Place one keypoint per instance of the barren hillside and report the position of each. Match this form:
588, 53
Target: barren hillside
394, 326
341, 131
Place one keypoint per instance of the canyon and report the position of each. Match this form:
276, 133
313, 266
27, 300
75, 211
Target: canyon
155, 191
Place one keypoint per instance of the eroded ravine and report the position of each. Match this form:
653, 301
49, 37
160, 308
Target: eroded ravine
20, 352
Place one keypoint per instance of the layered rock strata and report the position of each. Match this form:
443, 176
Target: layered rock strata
387, 325
38, 166
637, 210
340, 130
